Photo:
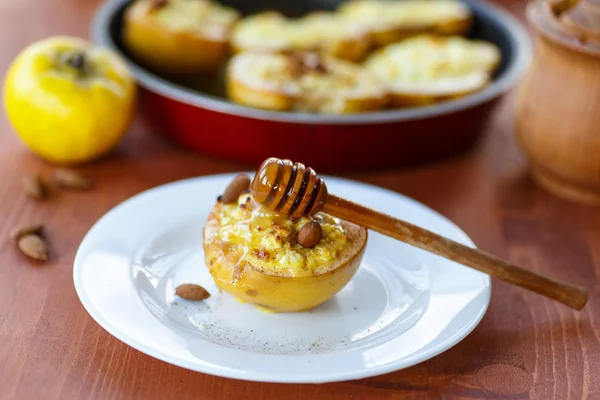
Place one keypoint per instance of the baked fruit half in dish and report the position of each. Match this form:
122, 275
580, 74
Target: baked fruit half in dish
321, 32
428, 69
254, 255
178, 37
303, 82
391, 21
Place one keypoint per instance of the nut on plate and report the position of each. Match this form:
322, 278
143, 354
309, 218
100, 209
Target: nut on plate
191, 291
256, 255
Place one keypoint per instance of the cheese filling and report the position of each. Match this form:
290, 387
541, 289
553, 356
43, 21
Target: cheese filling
428, 64
409, 14
272, 31
318, 83
267, 241
197, 16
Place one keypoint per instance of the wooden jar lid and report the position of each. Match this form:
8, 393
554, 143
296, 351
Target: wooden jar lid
582, 18
575, 23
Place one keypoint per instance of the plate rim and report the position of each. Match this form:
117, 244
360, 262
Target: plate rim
406, 362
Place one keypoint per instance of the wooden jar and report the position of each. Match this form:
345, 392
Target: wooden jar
558, 102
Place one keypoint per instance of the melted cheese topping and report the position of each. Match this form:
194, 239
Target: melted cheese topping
431, 64
268, 241
319, 83
272, 31
196, 16
270, 72
410, 14
266, 31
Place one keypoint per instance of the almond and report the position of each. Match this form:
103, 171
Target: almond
23, 230
34, 186
34, 247
190, 291
237, 186
70, 179
310, 234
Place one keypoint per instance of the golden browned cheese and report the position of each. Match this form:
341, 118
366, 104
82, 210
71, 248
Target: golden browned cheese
393, 21
307, 82
430, 68
319, 31
203, 18
268, 241
181, 37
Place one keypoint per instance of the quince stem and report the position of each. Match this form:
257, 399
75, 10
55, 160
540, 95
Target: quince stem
78, 62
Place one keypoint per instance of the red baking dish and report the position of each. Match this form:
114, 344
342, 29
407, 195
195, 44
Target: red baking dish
210, 124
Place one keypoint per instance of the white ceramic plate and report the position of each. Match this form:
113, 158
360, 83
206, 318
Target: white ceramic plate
402, 307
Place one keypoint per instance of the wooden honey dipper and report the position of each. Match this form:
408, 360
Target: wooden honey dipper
293, 190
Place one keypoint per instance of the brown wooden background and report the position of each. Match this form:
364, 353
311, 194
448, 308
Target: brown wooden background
525, 347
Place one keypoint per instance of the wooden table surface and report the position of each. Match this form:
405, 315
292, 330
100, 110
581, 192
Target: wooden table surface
525, 346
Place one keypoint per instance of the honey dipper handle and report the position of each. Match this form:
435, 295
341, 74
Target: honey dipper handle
572, 296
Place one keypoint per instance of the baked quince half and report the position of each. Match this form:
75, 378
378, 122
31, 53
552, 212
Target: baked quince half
254, 255
392, 21
179, 37
322, 32
428, 68
307, 82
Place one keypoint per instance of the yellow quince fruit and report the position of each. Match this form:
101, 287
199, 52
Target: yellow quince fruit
69, 101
